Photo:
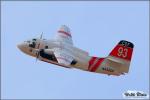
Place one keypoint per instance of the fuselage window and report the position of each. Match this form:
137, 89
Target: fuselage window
46, 47
27, 41
34, 39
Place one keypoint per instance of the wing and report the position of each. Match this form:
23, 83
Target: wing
63, 56
64, 35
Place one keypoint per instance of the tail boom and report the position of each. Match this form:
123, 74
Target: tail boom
117, 63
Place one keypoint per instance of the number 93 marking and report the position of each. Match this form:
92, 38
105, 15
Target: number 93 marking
122, 52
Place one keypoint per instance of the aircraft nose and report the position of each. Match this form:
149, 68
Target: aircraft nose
21, 46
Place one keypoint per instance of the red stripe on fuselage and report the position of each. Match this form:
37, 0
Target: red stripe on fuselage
65, 33
96, 66
91, 62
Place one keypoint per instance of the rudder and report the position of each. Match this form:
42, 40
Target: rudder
120, 56
123, 50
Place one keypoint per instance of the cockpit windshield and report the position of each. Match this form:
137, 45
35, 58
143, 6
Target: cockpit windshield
27, 41
32, 43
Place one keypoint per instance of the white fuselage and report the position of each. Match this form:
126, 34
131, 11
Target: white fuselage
46, 54
48, 46
60, 51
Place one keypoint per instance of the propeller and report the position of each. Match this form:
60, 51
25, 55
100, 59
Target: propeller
38, 48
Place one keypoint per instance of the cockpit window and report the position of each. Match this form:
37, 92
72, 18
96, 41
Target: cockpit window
32, 45
27, 41
34, 39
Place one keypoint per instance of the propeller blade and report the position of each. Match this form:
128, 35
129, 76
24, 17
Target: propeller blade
41, 35
38, 47
37, 55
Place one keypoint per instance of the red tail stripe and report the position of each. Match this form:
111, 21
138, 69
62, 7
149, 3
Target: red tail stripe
91, 61
65, 33
96, 66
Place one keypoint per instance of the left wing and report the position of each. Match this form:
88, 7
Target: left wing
64, 35
63, 56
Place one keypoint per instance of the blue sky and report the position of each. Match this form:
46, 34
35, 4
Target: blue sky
96, 27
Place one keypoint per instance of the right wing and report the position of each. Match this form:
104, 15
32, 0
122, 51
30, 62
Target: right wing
63, 56
58, 54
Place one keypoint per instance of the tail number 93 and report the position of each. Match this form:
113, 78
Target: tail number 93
122, 52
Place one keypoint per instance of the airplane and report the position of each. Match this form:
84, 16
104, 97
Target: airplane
61, 51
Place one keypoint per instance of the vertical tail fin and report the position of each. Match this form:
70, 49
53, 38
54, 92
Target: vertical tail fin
116, 63
123, 50
120, 56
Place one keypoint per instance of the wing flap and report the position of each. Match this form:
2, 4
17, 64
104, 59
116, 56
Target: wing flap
62, 56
